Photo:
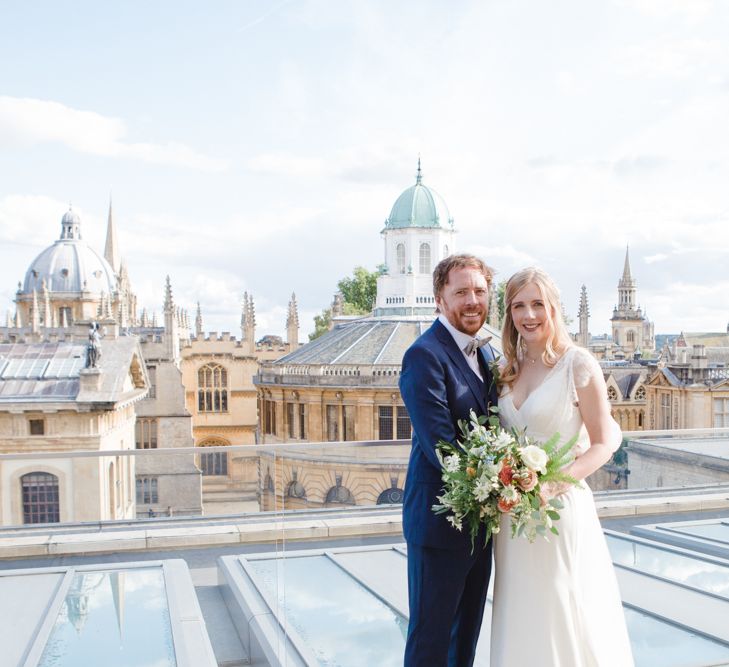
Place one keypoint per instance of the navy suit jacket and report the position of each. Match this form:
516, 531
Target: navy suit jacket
439, 389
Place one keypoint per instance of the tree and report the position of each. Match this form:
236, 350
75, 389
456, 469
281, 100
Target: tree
322, 322
359, 291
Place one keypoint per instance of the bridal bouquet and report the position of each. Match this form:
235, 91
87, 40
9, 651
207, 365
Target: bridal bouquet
491, 471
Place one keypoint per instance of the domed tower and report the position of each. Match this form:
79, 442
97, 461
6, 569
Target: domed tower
418, 234
71, 282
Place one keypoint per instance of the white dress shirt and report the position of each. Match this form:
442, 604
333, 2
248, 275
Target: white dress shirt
462, 340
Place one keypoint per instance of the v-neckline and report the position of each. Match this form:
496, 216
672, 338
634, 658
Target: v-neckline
539, 386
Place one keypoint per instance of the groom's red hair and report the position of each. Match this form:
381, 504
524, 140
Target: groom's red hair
462, 261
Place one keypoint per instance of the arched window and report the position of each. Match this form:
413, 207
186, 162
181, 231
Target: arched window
425, 258
640, 394
212, 391
296, 489
40, 498
630, 337
612, 394
641, 419
391, 496
400, 251
338, 494
214, 463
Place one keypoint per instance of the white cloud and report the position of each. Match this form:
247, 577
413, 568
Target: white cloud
29, 121
669, 57
693, 10
25, 219
658, 257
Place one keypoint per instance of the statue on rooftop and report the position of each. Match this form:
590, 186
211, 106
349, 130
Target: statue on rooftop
93, 349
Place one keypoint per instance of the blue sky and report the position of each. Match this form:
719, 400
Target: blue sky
258, 146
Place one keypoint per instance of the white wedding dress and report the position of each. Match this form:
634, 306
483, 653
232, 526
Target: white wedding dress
556, 602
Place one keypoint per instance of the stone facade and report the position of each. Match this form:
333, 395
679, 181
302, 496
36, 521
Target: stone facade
53, 405
689, 387
655, 464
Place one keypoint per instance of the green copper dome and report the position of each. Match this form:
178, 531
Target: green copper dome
419, 206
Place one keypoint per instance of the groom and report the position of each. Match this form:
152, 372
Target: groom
444, 376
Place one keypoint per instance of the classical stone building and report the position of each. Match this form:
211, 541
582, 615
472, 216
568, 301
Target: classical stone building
217, 373
201, 389
69, 286
690, 384
343, 386
51, 403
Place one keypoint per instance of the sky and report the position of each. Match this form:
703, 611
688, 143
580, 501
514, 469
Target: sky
259, 145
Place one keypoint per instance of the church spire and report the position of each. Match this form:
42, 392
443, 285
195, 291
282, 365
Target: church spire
419, 177
111, 249
626, 269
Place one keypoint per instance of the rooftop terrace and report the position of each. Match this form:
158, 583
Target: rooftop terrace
325, 584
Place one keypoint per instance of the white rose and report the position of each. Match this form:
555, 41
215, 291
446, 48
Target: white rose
535, 458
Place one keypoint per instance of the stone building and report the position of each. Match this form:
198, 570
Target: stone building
51, 403
690, 384
343, 386
201, 389
632, 334
70, 285
625, 378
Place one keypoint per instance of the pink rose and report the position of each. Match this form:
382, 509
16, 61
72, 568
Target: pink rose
505, 505
527, 480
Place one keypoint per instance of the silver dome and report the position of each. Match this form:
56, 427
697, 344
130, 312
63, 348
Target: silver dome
70, 265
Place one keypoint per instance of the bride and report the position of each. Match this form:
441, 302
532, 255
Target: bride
556, 602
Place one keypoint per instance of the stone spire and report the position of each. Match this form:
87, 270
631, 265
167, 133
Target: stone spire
248, 323
171, 336
198, 322
35, 320
583, 314
626, 286
626, 268
47, 320
292, 324
111, 249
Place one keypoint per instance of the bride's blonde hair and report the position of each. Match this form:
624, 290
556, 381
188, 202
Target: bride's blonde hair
512, 344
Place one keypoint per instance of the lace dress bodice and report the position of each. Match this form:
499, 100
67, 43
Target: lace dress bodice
553, 406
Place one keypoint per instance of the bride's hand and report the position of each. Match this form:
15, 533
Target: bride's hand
551, 490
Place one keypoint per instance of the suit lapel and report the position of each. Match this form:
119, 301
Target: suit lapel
486, 357
456, 356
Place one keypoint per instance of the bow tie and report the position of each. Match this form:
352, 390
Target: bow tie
475, 344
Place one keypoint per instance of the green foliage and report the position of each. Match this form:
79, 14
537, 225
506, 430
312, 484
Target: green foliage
322, 323
359, 291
